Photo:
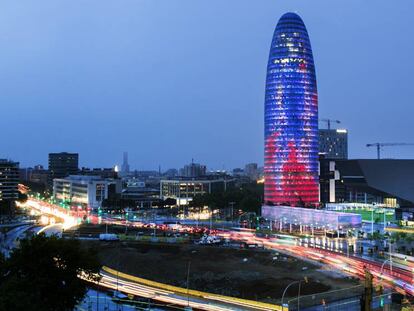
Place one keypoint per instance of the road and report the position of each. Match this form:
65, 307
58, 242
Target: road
11, 239
399, 278
54, 229
205, 302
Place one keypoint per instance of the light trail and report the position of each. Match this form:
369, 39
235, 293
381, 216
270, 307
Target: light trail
399, 278
209, 302
44, 208
226, 302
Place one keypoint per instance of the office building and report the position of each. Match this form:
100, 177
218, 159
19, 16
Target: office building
238, 172
251, 171
101, 172
9, 180
39, 176
62, 165
193, 170
81, 190
139, 193
384, 183
185, 189
333, 143
24, 174
291, 118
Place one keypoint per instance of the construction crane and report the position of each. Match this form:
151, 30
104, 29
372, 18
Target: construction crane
328, 122
380, 145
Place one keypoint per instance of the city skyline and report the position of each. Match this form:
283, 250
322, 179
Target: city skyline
206, 155
93, 87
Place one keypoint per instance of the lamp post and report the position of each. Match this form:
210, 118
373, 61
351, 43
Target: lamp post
372, 222
347, 247
284, 292
155, 224
294, 282
232, 212
383, 264
188, 281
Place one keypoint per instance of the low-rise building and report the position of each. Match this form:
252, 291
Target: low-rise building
138, 192
101, 172
383, 183
185, 189
86, 191
309, 219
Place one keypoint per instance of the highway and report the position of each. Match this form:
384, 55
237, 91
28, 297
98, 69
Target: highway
400, 278
53, 229
206, 301
111, 281
11, 239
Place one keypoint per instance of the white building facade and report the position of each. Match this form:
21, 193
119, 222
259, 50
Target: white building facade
85, 191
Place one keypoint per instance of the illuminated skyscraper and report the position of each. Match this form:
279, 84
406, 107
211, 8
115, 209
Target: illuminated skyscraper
291, 117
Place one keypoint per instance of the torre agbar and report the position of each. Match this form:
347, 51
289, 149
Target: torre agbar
291, 118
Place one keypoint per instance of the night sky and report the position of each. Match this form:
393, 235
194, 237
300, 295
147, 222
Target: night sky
172, 80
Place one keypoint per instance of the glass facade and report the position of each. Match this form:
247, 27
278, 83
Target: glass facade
313, 217
291, 118
333, 144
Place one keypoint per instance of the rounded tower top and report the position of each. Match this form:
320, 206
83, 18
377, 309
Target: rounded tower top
291, 21
291, 16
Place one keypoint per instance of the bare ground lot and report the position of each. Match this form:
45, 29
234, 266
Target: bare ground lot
249, 274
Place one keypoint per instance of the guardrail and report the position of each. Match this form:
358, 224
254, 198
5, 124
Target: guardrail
196, 293
405, 230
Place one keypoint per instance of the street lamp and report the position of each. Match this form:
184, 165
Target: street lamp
372, 219
294, 282
188, 281
232, 213
382, 266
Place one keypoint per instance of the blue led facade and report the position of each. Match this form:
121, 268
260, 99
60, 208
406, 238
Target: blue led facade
291, 117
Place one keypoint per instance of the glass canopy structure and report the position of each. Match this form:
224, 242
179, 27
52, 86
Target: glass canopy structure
291, 118
329, 220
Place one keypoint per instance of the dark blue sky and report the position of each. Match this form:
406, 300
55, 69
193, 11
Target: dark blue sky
171, 80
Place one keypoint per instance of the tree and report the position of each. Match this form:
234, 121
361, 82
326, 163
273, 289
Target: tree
200, 200
248, 198
170, 202
43, 274
250, 204
409, 238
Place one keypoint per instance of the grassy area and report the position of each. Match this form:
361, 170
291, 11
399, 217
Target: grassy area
367, 214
